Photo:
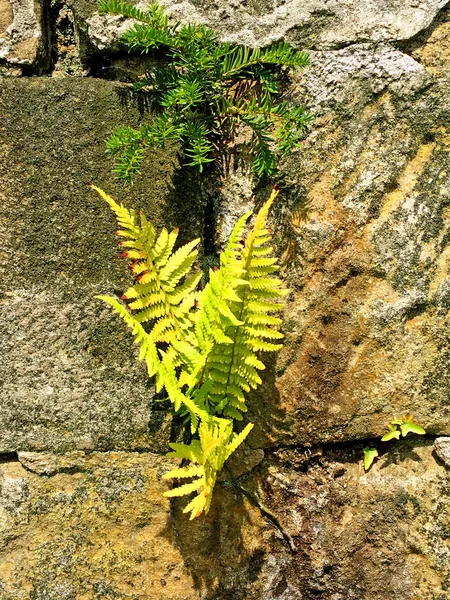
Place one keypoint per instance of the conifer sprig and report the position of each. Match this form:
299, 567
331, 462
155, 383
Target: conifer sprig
203, 347
204, 90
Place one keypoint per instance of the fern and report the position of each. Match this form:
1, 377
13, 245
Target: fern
206, 456
204, 90
204, 348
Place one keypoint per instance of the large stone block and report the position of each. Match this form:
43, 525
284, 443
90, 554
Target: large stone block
363, 227
86, 526
69, 369
24, 38
302, 24
90, 527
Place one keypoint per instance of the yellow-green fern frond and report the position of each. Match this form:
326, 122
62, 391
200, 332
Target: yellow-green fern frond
148, 350
234, 365
162, 296
207, 455
202, 347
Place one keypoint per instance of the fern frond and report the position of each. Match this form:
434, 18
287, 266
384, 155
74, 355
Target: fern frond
217, 442
179, 264
162, 295
237, 439
233, 366
202, 347
192, 452
148, 350
184, 472
185, 489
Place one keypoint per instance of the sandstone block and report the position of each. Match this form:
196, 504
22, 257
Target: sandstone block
99, 528
362, 226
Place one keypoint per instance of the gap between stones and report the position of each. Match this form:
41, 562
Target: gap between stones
310, 452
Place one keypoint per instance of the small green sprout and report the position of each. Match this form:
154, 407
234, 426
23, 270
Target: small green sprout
402, 427
370, 454
397, 427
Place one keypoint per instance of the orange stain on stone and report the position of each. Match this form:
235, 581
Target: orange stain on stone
6, 16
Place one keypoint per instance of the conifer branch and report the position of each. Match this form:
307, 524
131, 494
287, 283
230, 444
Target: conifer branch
203, 90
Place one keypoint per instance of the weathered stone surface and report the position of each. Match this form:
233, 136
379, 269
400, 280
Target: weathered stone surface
87, 525
367, 329
442, 447
99, 530
431, 47
352, 76
375, 535
23, 33
308, 24
70, 375
363, 228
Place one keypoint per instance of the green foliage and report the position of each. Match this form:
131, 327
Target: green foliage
203, 347
205, 90
402, 426
370, 455
397, 427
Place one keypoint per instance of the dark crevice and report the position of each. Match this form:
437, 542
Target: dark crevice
177, 429
56, 471
350, 450
211, 208
343, 45
8, 457
64, 47
418, 308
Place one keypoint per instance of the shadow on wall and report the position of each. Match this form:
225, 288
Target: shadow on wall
226, 551
223, 549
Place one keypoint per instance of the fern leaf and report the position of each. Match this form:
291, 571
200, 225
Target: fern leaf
184, 490
193, 452
262, 346
234, 365
148, 349
162, 295
184, 472
126, 218
185, 289
238, 439
179, 263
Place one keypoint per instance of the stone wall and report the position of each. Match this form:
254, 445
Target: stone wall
363, 230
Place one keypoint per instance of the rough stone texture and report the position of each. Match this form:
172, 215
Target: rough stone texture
23, 32
310, 24
70, 375
91, 526
358, 536
367, 322
99, 528
362, 226
442, 447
